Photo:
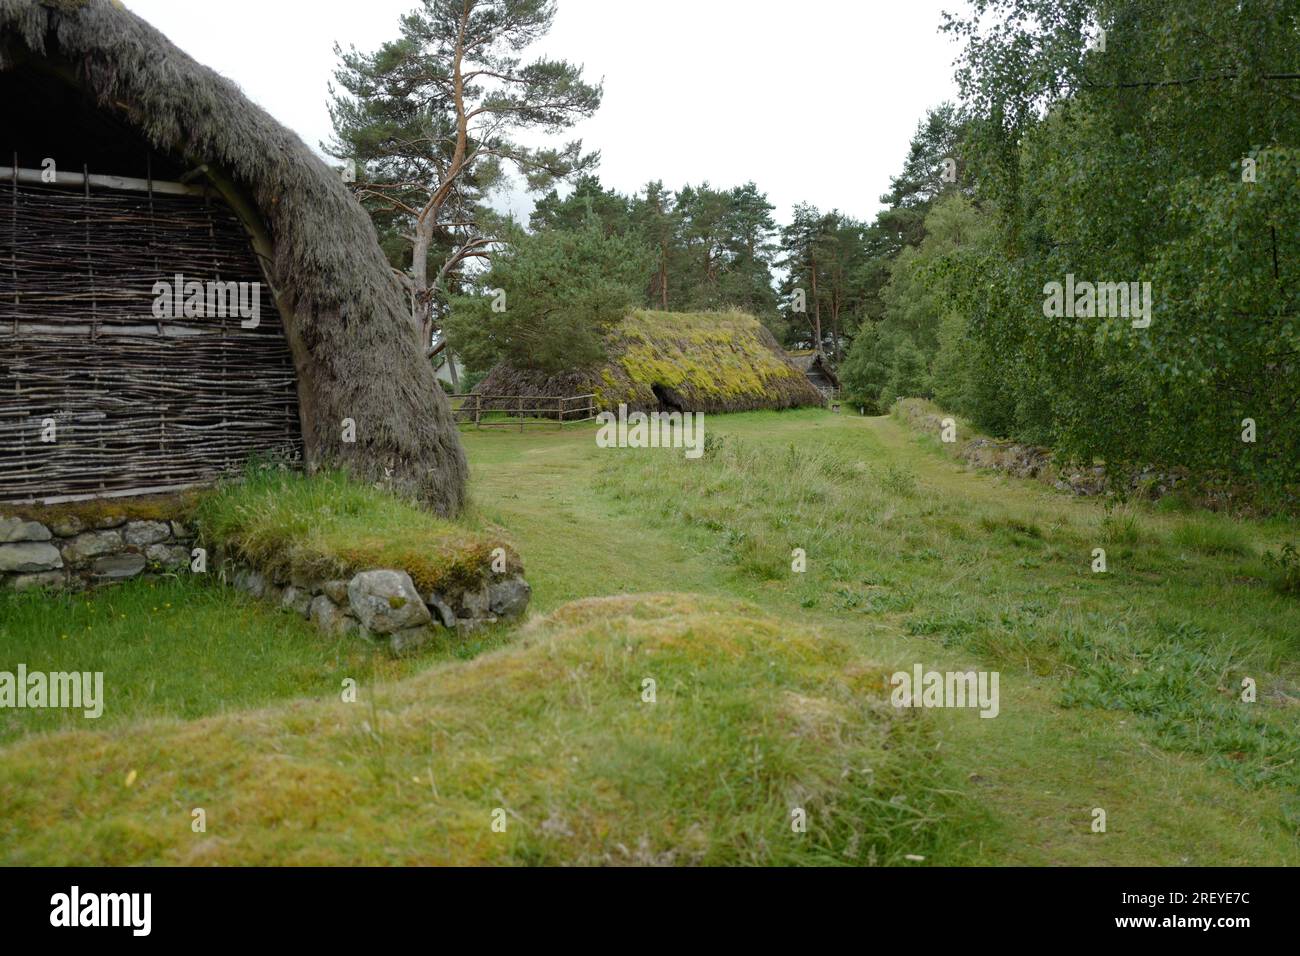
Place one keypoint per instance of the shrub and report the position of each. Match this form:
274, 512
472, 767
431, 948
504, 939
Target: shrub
1285, 566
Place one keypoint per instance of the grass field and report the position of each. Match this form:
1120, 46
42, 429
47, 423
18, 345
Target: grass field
1119, 691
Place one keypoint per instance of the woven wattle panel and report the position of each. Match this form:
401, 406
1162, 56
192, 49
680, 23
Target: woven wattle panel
139, 402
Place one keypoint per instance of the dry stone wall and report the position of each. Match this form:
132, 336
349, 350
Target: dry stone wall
70, 552
1032, 461
63, 552
384, 605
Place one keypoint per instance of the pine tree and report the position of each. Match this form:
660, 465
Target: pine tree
429, 119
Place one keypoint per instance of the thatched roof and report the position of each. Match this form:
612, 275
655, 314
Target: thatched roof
344, 312
699, 362
813, 364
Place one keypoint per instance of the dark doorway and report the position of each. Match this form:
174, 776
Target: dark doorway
669, 400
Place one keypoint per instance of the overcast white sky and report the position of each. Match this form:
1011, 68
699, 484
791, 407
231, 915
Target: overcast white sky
814, 100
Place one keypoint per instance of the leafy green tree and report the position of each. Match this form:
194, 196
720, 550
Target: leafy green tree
916, 295
928, 313
908, 377
864, 372
1132, 162
549, 299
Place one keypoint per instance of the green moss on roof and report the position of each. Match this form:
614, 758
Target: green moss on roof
705, 361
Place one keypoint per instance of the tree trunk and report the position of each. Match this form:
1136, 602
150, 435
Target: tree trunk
451, 370
835, 323
817, 310
432, 212
422, 300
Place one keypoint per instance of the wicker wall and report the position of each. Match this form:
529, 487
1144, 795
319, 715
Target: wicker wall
139, 403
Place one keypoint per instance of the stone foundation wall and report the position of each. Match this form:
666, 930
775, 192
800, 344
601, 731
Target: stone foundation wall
66, 552
62, 552
384, 605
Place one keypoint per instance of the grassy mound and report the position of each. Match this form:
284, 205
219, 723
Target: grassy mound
327, 526
751, 720
700, 361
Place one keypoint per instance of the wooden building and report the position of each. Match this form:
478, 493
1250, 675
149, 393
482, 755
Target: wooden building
184, 284
668, 361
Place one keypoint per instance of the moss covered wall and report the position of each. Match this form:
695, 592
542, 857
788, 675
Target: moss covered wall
91, 543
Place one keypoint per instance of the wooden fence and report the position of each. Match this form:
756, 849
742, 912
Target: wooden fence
509, 411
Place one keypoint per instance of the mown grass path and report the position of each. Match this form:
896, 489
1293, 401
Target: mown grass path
959, 570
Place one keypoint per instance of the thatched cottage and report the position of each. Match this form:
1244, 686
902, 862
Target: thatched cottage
672, 361
818, 371
184, 284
